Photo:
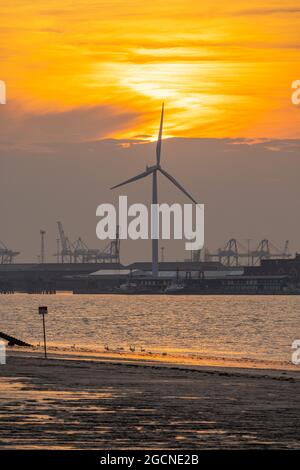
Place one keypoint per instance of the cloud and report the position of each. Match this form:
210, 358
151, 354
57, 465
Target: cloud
20, 129
268, 11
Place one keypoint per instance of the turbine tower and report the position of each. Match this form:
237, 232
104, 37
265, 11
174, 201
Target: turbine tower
152, 170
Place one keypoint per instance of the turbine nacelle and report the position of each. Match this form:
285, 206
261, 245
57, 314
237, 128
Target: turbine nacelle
152, 168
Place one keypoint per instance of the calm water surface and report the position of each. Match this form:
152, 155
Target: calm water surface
238, 327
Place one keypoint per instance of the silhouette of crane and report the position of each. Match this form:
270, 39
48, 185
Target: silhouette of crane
234, 252
79, 252
7, 255
66, 245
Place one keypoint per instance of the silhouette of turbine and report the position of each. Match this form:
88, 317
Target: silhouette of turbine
152, 170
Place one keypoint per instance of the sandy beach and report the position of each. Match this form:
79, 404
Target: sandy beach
77, 403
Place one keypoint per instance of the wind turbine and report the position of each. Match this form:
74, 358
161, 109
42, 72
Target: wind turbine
152, 170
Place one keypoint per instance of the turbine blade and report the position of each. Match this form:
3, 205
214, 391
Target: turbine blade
173, 180
158, 145
134, 178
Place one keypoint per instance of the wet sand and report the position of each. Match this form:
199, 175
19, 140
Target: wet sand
62, 403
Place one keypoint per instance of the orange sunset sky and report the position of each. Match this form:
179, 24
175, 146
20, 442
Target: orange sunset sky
224, 69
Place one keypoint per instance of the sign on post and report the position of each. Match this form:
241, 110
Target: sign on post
43, 310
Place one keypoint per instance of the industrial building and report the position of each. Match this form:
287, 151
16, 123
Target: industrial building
81, 269
94, 277
289, 267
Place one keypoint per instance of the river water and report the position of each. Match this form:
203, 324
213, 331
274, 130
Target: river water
256, 328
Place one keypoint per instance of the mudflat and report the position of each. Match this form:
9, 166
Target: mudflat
62, 403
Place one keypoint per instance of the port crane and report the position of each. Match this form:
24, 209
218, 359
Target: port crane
79, 252
234, 252
267, 250
66, 245
7, 255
